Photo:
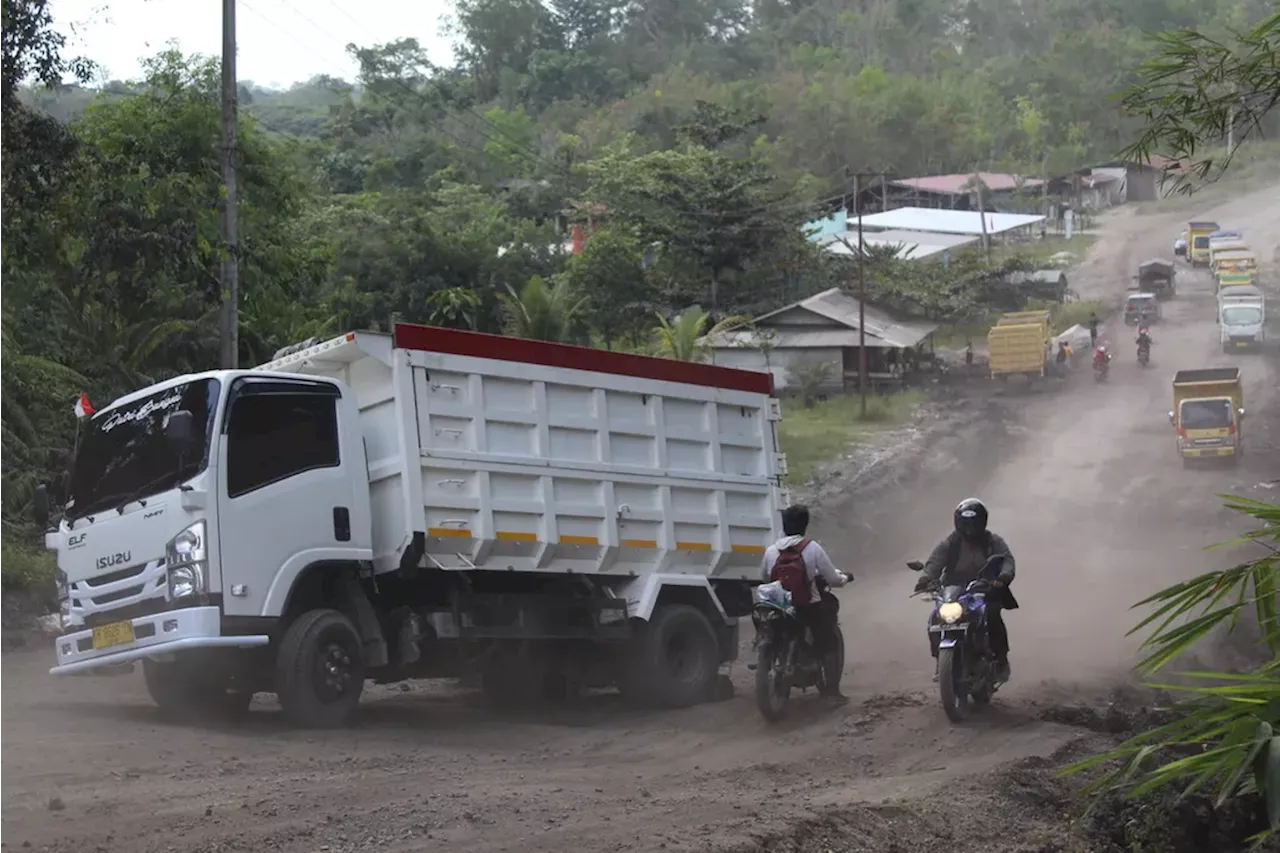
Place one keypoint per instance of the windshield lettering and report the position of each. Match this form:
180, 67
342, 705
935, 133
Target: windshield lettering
116, 418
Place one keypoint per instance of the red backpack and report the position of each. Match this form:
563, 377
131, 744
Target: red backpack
789, 570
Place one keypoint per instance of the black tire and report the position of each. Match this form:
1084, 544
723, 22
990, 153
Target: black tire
955, 702
320, 670
184, 690
822, 674
772, 698
675, 658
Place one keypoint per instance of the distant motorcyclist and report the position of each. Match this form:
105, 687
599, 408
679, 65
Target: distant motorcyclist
805, 571
1101, 358
959, 559
1144, 339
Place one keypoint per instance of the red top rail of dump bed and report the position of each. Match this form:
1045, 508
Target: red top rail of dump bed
480, 345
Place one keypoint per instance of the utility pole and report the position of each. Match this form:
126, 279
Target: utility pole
230, 273
862, 297
982, 216
862, 271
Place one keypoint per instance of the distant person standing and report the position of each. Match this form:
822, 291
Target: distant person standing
968, 357
1093, 329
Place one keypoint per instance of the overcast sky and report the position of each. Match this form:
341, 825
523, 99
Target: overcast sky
280, 41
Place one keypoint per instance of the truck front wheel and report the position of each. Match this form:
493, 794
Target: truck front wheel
186, 690
675, 659
320, 670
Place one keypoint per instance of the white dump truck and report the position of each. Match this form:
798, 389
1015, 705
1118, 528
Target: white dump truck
426, 503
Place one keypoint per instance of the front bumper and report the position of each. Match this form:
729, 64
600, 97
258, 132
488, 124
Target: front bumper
157, 634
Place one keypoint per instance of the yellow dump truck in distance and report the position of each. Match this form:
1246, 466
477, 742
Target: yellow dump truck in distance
1198, 242
1018, 344
1208, 408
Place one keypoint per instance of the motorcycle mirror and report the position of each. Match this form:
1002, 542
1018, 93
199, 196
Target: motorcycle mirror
915, 566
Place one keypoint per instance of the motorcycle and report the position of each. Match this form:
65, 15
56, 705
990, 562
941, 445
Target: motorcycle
1144, 355
785, 659
966, 665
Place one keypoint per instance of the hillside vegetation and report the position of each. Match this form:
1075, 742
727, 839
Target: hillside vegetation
706, 131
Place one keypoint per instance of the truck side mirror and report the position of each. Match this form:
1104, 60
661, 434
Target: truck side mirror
179, 430
40, 506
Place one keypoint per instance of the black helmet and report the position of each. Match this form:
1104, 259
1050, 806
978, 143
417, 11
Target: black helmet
971, 518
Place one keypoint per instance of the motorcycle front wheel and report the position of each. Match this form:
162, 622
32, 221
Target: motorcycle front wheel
773, 693
955, 701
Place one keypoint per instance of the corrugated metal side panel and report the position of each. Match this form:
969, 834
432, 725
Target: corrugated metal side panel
527, 468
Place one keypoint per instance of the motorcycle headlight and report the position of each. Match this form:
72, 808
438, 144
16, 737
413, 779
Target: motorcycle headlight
186, 557
950, 612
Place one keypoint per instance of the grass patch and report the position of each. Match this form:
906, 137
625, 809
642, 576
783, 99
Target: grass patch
813, 436
1061, 318
1040, 251
1068, 314
26, 568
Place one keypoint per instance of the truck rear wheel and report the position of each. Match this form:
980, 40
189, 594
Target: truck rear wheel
185, 690
320, 670
675, 659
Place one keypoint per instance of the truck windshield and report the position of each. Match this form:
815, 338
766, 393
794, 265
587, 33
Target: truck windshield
1241, 315
1201, 243
124, 454
1206, 414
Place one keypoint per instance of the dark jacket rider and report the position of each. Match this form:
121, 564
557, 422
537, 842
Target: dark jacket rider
1144, 339
959, 559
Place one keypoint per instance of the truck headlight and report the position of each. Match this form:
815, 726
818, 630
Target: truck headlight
186, 556
950, 612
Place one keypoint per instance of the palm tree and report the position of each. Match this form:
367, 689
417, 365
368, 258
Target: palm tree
686, 338
542, 313
35, 418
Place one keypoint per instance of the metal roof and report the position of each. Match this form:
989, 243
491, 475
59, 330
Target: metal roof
1047, 276
882, 329
963, 183
915, 245
948, 221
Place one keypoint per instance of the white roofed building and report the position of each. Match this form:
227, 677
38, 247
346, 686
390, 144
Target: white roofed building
823, 329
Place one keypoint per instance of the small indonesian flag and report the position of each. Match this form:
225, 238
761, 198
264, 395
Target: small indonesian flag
84, 409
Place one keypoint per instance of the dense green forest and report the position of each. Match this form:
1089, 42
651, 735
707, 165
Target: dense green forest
707, 130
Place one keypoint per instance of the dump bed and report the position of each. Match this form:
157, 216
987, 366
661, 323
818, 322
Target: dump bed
1207, 383
503, 454
1018, 343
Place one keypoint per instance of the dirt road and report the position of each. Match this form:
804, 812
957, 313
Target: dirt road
1082, 481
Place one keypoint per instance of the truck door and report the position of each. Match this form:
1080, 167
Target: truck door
285, 491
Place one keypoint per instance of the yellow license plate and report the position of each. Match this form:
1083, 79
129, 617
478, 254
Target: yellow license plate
115, 634
1241, 344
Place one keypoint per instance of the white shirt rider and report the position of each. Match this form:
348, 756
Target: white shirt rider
816, 562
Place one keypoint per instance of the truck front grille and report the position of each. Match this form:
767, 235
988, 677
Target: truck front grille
137, 590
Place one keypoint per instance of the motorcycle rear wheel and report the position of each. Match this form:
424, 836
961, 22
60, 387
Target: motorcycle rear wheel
955, 701
773, 694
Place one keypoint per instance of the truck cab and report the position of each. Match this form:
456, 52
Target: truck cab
1198, 234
